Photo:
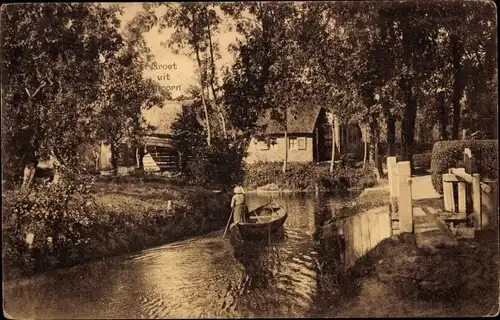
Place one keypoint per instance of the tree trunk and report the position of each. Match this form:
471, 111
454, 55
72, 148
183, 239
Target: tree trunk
212, 83
332, 160
142, 152
458, 84
378, 160
408, 126
97, 159
114, 158
364, 136
285, 161
223, 122
338, 133
365, 155
100, 154
202, 93
457, 94
29, 174
391, 135
376, 147
137, 161
56, 168
372, 145
443, 116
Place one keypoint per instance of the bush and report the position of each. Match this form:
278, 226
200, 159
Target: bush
422, 160
63, 212
305, 176
217, 167
449, 154
348, 160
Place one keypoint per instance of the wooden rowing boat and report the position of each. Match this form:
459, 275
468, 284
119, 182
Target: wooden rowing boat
264, 221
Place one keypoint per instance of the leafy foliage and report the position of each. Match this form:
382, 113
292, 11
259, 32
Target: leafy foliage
220, 166
82, 229
63, 212
52, 65
72, 78
188, 136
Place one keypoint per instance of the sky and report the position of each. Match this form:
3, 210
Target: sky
185, 73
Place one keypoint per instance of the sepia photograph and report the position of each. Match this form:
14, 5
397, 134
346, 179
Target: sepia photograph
274, 159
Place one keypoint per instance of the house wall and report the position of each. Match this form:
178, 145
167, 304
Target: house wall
277, 152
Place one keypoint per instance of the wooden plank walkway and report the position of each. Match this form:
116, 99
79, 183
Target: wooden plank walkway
430, 231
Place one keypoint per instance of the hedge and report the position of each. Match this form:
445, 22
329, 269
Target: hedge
449, 154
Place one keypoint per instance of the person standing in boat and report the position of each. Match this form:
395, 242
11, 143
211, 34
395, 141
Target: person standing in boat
238, 205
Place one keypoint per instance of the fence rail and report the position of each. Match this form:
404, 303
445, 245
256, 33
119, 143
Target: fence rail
464, 183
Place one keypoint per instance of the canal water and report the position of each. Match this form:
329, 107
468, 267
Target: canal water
296, 273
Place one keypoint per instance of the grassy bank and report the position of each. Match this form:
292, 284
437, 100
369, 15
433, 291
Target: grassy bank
369, 198
457, 281
83, 220
307, 177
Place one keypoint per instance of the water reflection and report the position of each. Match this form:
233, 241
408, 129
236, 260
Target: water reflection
291, 274
302, 266
330, 249
259, 258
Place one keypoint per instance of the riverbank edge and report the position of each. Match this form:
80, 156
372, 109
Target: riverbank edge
268, 177
468, 272
179, 225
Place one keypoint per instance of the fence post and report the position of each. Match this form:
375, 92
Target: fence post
393, 181
476, 200
449, 200
462, 191
405, 206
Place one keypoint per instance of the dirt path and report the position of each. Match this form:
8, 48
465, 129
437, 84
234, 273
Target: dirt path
422, 188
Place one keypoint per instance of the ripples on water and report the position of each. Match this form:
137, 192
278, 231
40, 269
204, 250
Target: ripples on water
290, 275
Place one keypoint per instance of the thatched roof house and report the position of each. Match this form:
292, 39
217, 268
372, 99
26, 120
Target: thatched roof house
300, 120
309, 136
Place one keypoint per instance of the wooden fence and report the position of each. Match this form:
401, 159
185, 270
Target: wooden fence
363, 232
464, 185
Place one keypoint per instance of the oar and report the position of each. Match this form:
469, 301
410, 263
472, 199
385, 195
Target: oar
227, 225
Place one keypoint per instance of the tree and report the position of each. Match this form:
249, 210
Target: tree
268, 74
330, 36
212, 21
195, 25
124, 93
50, 68
187, 136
